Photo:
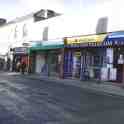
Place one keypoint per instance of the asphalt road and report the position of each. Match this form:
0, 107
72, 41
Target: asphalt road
27, 101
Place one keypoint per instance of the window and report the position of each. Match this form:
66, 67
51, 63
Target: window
15, 32
24, 30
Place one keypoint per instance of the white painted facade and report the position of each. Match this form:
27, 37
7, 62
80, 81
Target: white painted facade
7, 34
18, 29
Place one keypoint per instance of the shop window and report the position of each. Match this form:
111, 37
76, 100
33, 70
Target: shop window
98, 60
45, 33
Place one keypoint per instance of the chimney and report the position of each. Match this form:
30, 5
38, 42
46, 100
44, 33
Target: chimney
102, 25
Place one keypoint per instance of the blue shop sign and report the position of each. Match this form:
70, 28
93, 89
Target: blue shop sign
115, 38
21, 50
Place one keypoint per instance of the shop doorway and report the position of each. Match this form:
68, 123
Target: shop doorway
119, 63
40, 61
19, 59
53, 62
76, 64
92, 61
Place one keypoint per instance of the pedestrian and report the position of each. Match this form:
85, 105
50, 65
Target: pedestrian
18, 66
23, 67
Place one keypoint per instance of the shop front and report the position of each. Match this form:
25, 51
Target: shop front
20, 54
48, 57
84, 57
115, 41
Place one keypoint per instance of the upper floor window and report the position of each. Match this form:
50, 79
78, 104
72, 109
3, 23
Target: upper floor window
15, 32
25, 32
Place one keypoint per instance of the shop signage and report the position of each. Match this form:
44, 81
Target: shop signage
52, 42
45, 45
21, 50
115, 38
48, 43
86, 39
78, 54
116, 35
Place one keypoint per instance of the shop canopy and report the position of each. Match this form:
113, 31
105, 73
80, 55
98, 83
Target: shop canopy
115, 38
108, 39
46, 45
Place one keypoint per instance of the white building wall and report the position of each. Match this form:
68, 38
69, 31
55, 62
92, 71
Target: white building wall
7, 34
62, 26
65, 26
38, 28
19, 40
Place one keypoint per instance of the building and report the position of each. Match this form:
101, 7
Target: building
84, 56
21, 32
47, 57
83, 37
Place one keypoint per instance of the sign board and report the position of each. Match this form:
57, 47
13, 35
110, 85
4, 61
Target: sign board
115, 38
52, 42
48, 43
77, 54
21, 50
116, 35
86, 39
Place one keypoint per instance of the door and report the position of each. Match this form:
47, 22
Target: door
52, 60
76, 64
40, 61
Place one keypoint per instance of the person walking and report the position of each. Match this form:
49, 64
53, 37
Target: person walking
23, 67
18, 66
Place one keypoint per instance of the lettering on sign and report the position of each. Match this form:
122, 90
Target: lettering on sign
86, 39
21, 50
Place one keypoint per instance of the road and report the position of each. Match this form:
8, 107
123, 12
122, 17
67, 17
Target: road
27, 101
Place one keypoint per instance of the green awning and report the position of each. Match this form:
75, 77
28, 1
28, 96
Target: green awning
46, 47
43, 48
40, 46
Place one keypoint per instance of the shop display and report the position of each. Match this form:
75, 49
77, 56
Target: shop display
104, 74
68, 63
76, 64
113, 74
121, 59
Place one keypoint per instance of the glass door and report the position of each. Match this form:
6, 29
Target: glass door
53, 63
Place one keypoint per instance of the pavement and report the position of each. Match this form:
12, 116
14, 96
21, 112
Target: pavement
109, 88
29, 100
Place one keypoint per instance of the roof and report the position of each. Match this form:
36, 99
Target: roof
22, 18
